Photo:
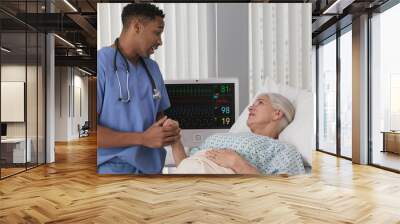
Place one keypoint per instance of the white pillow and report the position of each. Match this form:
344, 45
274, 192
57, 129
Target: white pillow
300, 132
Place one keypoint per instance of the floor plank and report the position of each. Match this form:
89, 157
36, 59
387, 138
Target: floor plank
70, 191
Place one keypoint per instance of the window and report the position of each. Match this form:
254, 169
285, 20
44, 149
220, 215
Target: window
22, 65
346, 94
394, 101
327, 97
385, 86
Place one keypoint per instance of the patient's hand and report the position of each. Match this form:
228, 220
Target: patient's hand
172, 125
223, 157
230, 159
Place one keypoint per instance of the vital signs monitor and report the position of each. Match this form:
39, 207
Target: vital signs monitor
203, 107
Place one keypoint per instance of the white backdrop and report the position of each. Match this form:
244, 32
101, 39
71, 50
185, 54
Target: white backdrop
279, 43
12, 101
189, 41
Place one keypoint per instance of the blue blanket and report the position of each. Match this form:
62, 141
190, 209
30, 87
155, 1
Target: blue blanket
268, 155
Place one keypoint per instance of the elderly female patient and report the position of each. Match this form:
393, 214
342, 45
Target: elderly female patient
258, 152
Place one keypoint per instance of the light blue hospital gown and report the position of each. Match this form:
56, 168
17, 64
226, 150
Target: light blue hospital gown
268, 155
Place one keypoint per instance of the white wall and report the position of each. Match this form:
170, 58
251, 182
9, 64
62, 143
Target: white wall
67, 114
61, 103
233, 50
33, 126
12, 73
79, 117
228, 40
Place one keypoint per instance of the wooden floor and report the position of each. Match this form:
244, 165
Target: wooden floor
5, 172
70, 191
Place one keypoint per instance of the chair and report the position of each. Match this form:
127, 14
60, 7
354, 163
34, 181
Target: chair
84, 130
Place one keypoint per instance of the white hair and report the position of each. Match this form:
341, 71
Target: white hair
281, 103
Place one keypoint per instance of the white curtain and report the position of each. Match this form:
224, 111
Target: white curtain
189, 38
279, 41
280, 44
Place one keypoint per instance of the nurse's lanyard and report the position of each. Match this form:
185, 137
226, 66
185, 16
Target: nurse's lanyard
156, 92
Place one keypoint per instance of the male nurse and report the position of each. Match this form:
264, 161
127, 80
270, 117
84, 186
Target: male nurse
131, 97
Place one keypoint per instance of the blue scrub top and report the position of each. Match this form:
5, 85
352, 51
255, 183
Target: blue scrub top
135, 116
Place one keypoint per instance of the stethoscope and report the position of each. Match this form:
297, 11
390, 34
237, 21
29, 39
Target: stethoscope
156, 92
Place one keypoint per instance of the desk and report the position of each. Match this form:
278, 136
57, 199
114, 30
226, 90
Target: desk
391, 141
13, 150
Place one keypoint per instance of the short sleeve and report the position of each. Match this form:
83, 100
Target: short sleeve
100, 82
165, 102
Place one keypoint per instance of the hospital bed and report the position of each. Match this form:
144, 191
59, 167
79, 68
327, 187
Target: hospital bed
300, 132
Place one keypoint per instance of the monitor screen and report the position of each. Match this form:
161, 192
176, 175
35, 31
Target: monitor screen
3, 129
202, 105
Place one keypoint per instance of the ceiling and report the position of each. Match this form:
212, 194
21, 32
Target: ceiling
328, 16
76, 24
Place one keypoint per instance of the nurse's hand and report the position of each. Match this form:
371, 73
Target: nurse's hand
157, 136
